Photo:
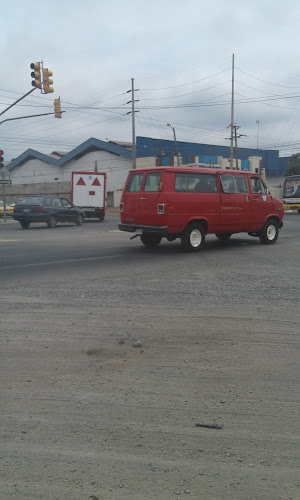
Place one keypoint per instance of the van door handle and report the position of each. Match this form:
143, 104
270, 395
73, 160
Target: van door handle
143, 198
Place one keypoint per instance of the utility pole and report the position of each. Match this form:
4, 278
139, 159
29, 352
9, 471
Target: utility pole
232, 115
175, 142
133, 127
257, 121
236, 137
133, 122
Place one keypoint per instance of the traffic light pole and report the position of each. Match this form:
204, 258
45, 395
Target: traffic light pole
18, 100
28, 116
4, 194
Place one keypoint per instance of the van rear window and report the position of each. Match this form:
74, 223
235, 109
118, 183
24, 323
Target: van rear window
152, 182
195, 183
134, 183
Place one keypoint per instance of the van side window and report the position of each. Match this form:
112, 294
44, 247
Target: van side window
195, 183
241, 184
134, 183
152, 182
234, 184
257, 186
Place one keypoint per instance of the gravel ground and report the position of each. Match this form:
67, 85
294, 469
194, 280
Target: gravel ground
106, 371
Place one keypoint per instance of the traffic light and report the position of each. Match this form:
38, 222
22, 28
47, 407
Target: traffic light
57, 108
36, 74
47, 81
1, 156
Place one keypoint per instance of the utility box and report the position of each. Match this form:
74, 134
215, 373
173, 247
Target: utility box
88, 193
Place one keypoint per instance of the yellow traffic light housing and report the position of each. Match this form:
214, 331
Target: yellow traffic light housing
57, 108
47, 81
36, 75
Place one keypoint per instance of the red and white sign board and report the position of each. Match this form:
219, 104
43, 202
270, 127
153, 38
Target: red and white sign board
88, 189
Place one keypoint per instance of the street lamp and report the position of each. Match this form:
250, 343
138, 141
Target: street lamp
176, 150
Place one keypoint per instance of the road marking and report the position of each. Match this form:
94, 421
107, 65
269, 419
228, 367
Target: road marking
36, 264
8, 241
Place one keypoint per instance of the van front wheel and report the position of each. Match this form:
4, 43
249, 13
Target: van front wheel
193, 237
150, 240
269, 232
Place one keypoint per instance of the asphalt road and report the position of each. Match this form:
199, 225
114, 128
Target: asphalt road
111, 353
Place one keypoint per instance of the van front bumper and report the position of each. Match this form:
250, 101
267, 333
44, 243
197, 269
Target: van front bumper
131, 228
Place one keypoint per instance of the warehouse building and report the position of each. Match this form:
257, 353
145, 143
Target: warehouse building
36, 173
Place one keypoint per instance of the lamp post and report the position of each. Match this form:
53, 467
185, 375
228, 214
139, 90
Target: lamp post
176, 150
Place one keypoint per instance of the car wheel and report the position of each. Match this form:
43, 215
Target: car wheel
51, 222
150, 240
79, 220
223, 236
269, 233
193, 237
25, 224
101, 218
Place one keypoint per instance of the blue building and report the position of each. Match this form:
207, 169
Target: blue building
164, 152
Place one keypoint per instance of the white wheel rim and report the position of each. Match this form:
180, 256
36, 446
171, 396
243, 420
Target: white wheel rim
271, 232
195, 238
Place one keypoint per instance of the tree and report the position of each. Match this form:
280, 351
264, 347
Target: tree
293, 166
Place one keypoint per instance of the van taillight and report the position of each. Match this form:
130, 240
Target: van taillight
121, 207
160, 187
161, 208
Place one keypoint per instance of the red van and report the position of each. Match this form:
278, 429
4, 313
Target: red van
190, 202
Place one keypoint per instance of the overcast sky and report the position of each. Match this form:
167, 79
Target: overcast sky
179, 53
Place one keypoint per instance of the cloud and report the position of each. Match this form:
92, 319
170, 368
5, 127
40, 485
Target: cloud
94, 48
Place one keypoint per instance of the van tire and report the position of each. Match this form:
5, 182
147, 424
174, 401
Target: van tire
25, 224
193, 237
223, 236
269, 233
150, 240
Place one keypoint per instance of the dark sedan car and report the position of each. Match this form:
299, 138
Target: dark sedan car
49, 209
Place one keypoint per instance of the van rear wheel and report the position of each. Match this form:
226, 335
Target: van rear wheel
150, 240
223, 236
193, 237
269, 233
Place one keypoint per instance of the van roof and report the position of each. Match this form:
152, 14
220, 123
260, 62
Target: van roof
203, 170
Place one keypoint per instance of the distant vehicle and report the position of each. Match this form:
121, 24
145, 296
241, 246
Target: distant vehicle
190, 202
9, 209
88, 193
49, 209
14, 203
291, 193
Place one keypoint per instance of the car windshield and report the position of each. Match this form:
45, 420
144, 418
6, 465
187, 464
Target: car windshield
30, 200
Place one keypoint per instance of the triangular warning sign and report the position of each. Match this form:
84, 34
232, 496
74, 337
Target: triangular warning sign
96, 182
81, 182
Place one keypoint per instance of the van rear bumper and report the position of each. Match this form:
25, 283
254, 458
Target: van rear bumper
131, 228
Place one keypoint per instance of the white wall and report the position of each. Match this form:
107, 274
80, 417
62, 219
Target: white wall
36, 171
